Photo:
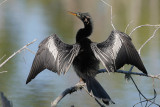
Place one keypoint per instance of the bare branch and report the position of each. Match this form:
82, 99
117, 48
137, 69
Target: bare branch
146, 99
2, 57
78, 86
3, 2
152, 76
30, 51
70, 90
3, 72
24, 47
153, 35
82, 85
148, 25
128, 25
132, 73
111, 13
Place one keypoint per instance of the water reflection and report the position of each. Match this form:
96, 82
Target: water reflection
23, 21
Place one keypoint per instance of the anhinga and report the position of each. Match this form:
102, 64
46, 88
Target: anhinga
57, 56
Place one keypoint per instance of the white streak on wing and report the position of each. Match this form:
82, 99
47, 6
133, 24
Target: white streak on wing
96, 50
117, 45
52, 48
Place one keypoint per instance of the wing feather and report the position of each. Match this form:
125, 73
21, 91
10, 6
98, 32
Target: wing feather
54, 55
117, 51
103, 57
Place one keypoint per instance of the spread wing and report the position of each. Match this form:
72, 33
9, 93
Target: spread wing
116, 51
54, 55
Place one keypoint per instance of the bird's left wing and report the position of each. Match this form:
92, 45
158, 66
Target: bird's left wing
53, 54
116, 51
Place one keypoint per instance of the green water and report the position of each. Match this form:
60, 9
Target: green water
23, 21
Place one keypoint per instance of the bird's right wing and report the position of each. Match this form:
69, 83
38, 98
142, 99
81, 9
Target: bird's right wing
53, 54
116, 51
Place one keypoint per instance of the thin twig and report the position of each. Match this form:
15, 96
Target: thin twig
2, 57
111, 13
24, 47
146, 99
140, 100
153, 35
152, 76
146, 104
30, 51
3, 72
154, 92
128, 26
147, 25
3, 2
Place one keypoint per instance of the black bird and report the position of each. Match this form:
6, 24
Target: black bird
57, 56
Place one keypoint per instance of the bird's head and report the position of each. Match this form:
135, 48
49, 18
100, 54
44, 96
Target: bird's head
85, 17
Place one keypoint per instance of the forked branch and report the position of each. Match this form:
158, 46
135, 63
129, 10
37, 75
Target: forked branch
153, 35
146, 25
78, 86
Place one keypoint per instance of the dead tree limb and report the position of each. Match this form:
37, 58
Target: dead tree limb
151, 37
146, 99
70, 90
20, 50
132, 73
78, 86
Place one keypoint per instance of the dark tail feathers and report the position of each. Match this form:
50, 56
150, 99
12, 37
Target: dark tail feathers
97, 90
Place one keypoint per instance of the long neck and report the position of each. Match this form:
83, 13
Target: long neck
84, 32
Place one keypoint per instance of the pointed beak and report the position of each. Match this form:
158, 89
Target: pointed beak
72, 13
